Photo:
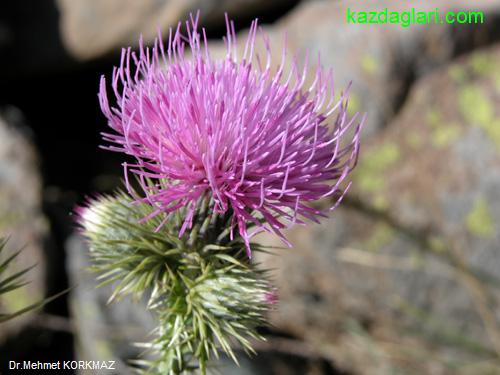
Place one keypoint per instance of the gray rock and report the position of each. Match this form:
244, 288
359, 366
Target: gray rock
382, 61
21, 217
93, 28
104, 331
408, 265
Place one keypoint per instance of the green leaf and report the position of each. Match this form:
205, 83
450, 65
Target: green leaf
34, 306
16, 281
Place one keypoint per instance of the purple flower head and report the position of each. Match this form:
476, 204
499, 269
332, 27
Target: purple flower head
255, 138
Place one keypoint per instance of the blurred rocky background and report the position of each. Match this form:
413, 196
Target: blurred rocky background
402, 279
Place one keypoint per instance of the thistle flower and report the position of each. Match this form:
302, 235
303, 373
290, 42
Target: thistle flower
254, 139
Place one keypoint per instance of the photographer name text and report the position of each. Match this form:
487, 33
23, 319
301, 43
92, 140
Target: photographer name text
62, 365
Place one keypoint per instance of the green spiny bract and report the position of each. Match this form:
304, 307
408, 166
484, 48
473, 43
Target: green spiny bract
201, 286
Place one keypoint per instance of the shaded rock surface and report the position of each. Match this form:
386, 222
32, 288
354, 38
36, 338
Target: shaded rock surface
94, 28
407, 268
104, 331
383, 61
21, 217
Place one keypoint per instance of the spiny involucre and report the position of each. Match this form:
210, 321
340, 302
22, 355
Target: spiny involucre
202, 289
253, 137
